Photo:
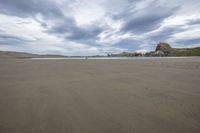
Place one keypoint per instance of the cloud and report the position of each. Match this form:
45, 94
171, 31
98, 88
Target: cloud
10, 39
71, 31
194, 21
188, 42
51, 17
146, 19
30, 8
88, 27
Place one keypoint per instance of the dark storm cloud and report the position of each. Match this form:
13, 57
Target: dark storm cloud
50, 11
144, 20
90, 33
129, 44
188, 42
165, 33
74, 32
29, 8
10, 39
194, 22
139, 21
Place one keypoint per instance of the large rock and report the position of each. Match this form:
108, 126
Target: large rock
155, 53
165, 48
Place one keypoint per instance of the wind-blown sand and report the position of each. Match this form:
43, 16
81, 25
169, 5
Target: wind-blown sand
100, 96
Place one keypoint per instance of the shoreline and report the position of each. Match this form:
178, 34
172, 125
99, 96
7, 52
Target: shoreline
112, 58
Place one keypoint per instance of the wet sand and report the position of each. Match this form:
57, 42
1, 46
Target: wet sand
100, 96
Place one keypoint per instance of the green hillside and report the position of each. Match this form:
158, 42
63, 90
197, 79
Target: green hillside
188, 52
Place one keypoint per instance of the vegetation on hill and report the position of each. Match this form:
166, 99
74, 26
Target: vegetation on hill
9, 54
188, 52
126, 54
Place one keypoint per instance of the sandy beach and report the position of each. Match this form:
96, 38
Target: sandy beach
100, 96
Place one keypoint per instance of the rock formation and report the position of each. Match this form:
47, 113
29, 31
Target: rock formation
164, 49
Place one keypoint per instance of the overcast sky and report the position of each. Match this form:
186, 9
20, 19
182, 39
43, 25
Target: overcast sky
93, 27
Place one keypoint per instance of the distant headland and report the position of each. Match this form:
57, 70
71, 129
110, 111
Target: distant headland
162, 50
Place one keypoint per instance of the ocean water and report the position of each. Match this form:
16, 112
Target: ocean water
109, 58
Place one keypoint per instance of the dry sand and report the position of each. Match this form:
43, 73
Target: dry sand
100, 96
